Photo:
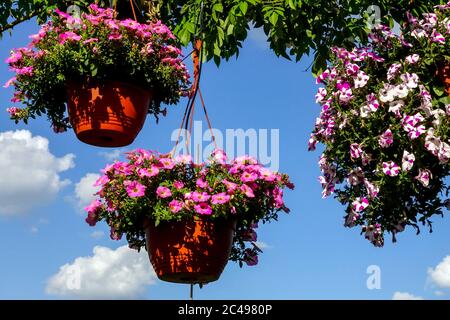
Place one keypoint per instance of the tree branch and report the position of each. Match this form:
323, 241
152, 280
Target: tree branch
27, 17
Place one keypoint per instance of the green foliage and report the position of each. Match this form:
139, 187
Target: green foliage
294, 28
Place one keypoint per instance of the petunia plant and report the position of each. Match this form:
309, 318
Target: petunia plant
93, 47
164, 188
385, 127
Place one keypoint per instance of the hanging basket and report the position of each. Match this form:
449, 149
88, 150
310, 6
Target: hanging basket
444, 74
194, 251
110, 114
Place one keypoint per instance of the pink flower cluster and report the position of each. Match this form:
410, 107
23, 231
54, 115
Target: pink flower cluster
66, 30
175, 186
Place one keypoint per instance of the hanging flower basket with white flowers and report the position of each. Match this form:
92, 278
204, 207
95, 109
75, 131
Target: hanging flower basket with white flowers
385, 127
108, 72
191, 218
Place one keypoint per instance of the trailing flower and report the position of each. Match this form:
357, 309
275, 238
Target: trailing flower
385, 126
162, 188
91, 48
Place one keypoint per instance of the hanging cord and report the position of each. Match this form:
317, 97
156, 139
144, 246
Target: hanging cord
188, 117
132, 9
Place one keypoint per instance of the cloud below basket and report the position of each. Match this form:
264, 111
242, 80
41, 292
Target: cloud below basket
122, 273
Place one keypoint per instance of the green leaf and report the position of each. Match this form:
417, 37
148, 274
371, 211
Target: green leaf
243, 6
273, 18
218, 7
438, 90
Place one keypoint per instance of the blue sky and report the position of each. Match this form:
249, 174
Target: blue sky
310, 255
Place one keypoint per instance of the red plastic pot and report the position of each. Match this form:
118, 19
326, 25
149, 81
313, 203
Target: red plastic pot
444, 74
110, 114
194, 251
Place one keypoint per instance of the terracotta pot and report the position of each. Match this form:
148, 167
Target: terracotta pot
109, 114
194, 251
444, 73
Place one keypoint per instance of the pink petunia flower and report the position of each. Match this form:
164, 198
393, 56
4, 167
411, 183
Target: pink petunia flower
203, 208
163, 192
184, 159
13, 111
201, 183
200, 197
167, 163
68, 36
178, 185
267, 174
231, 186
10, 82
134, 189
391, 169
175, 206
219, 156
101, 181
220, 198
115, 36
247, 191
249, 176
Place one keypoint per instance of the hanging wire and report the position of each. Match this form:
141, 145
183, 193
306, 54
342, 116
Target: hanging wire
188, 117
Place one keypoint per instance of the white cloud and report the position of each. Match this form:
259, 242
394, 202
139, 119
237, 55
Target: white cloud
107, 274
440, 275
262, 245
97, 234
405, 296
439, 293
34, 229
112, 155
84, 189
29, 172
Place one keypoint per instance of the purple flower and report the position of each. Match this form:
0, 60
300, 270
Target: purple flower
424, 177
163, 192
391, 169
407, 161
355, 151
412, 59
250, 257
386, 139
360, 204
